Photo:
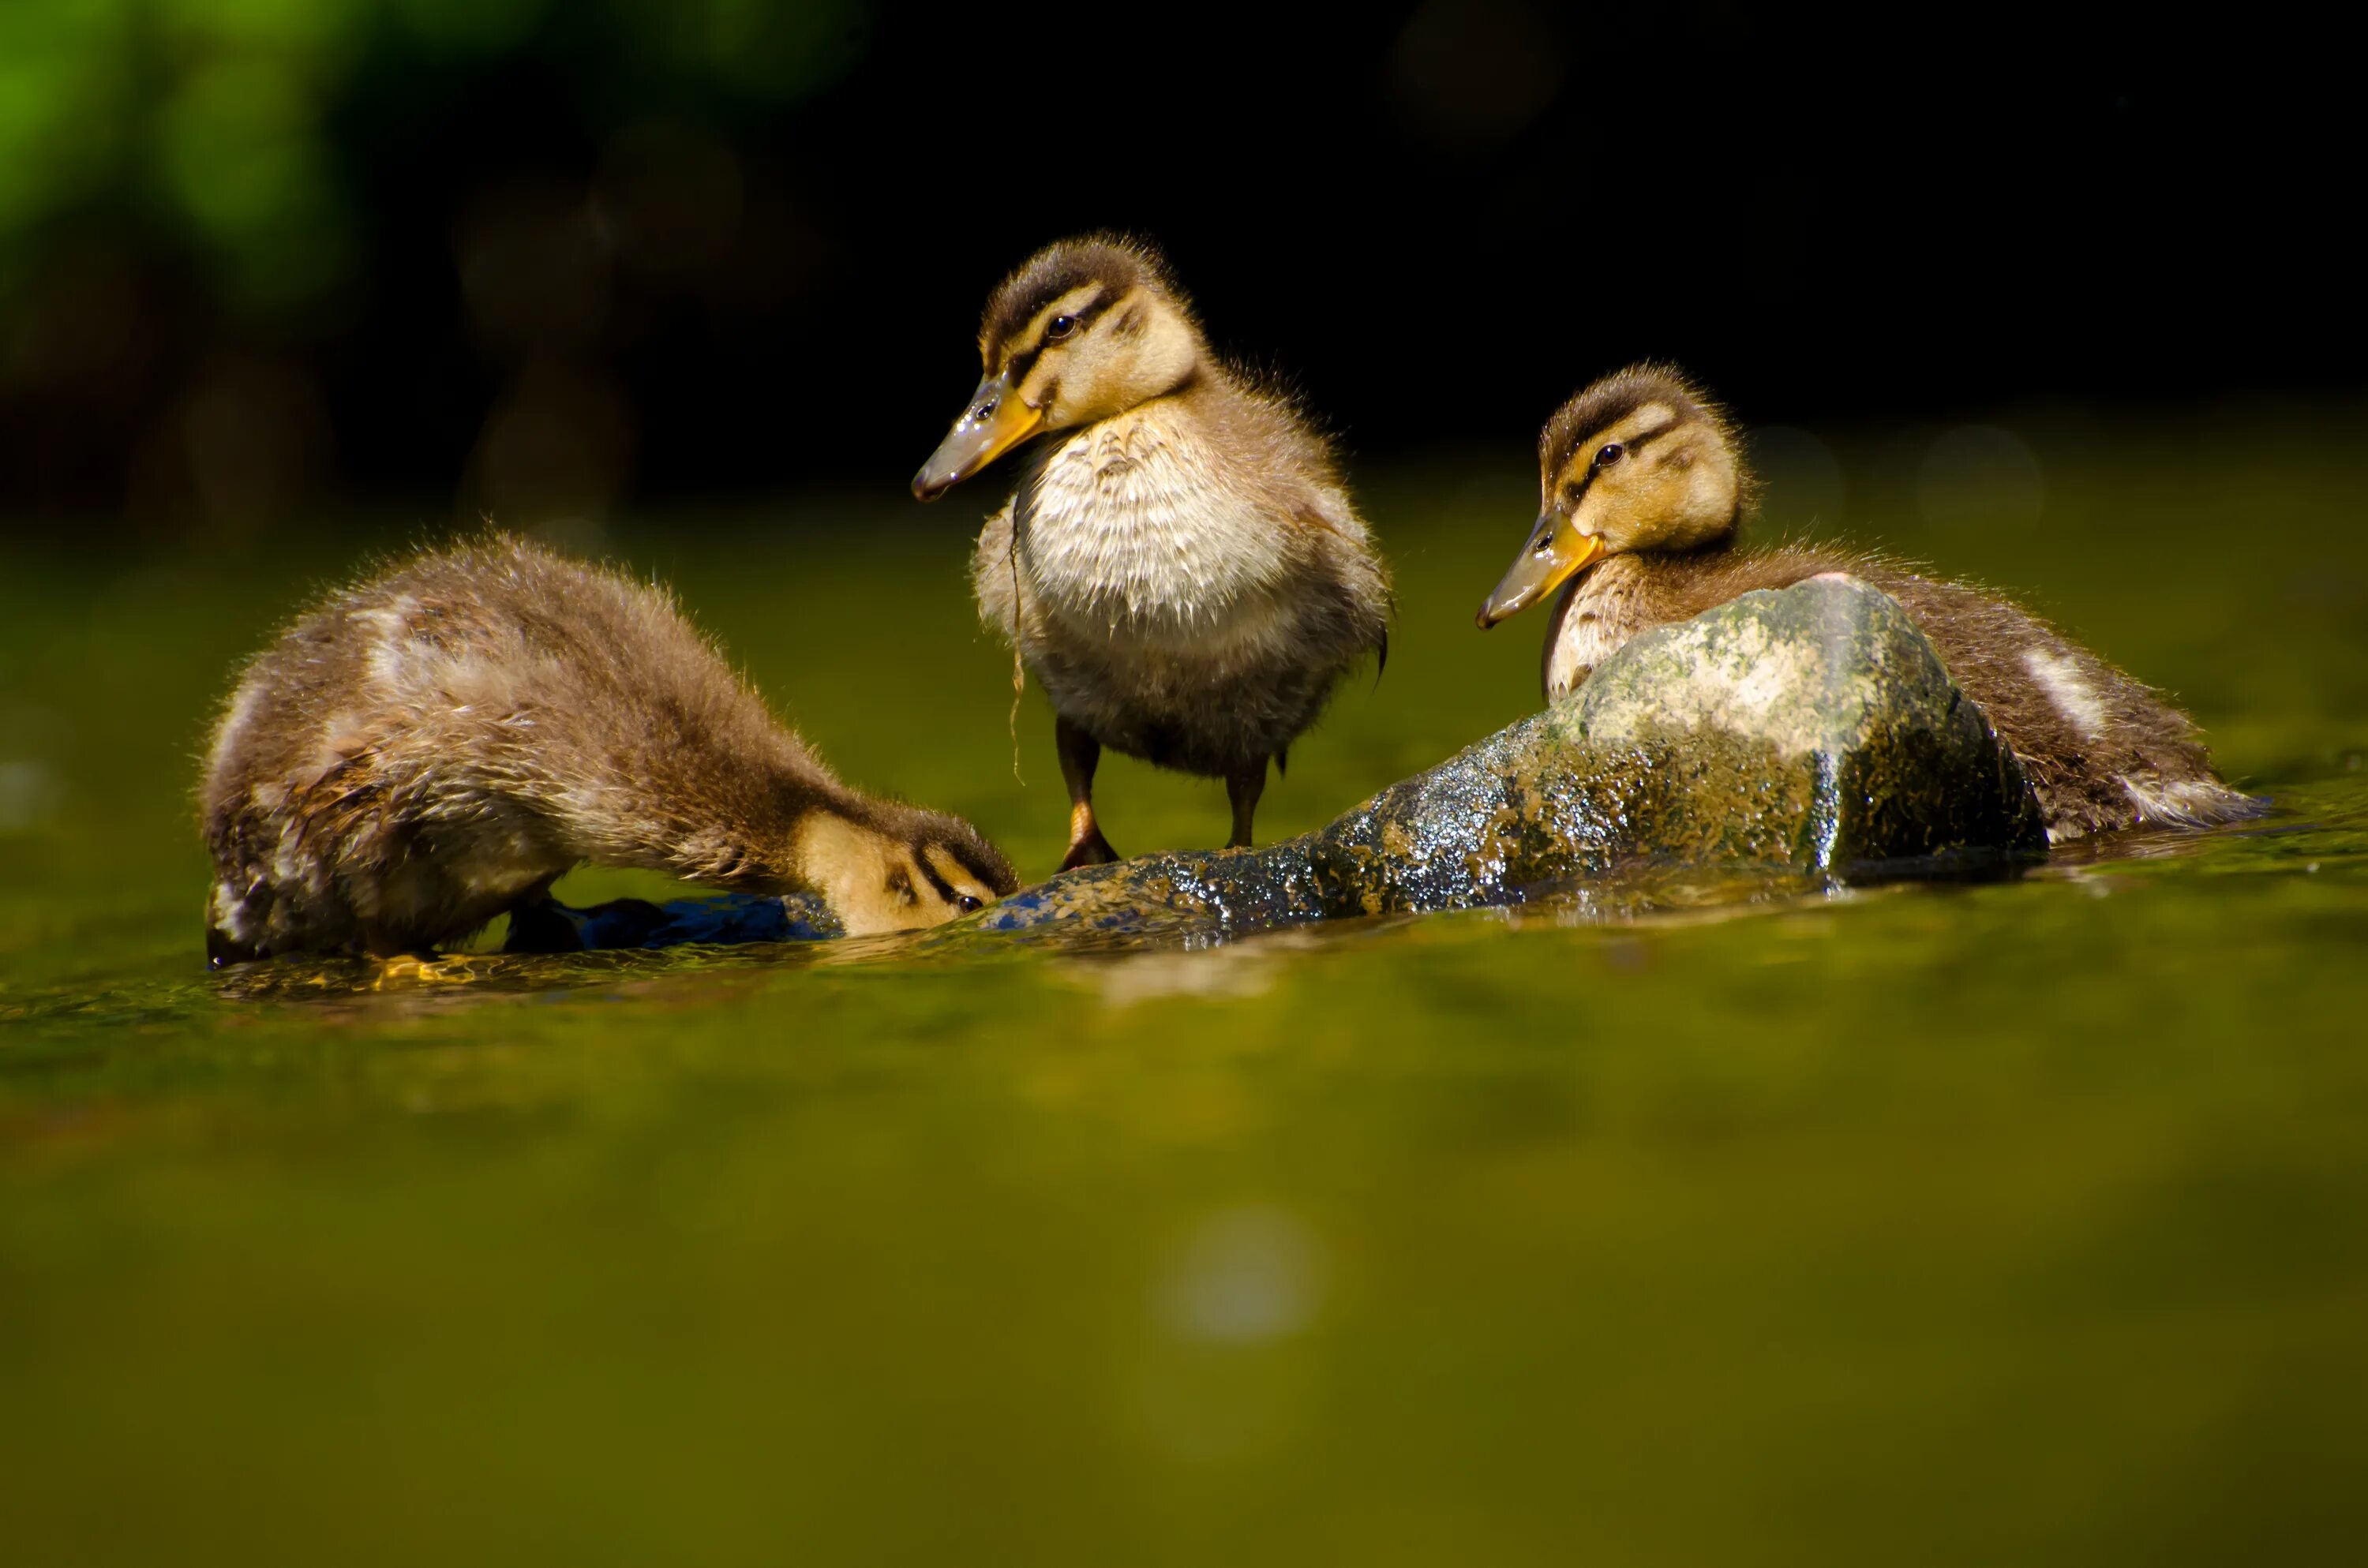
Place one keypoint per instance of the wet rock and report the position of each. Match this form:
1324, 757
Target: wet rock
549, 926
1808, 730
1786, 740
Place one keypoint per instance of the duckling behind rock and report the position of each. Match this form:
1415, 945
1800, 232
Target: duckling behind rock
424, 750
1179, 567
1643, 492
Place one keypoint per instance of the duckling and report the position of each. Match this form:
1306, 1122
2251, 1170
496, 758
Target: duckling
1180, 566
424, 750
1642, 493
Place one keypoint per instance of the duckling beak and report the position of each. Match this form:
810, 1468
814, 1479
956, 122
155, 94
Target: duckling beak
995, 421
1556, 552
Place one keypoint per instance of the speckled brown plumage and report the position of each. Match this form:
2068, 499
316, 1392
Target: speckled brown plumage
2103, 750
422, 751
1179, 567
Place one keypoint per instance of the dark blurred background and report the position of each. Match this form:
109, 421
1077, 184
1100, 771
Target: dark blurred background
534, 258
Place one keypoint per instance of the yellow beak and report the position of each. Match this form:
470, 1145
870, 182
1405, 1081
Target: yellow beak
995, 422
1556, 552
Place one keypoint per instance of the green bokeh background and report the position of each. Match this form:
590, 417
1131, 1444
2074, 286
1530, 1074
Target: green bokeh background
212, 127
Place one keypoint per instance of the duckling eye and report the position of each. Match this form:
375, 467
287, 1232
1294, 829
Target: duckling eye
1060, 327
1611, 452
969, 903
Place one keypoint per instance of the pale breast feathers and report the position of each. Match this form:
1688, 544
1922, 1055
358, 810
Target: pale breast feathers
1126, 527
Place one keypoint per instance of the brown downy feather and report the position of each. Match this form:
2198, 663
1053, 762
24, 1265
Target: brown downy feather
1179, 568
2103, 750
423, 751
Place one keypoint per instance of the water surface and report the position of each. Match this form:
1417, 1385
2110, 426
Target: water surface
2014, 1221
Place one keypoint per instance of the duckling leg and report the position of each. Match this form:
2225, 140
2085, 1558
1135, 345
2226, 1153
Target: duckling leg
1080, 755
1243, 785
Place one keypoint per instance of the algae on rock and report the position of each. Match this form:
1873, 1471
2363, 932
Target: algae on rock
1809, 730
1792, 735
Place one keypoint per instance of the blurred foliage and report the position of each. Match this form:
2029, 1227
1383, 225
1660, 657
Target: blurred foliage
212, 126
541, 258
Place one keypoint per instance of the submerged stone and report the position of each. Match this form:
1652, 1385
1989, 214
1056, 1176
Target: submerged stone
1809, 730
549, 926
1801, 734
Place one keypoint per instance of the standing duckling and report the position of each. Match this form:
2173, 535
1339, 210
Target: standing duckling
1180, 566
423, 751
1643, 491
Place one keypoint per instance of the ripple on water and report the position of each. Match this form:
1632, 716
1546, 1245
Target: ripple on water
2319, 829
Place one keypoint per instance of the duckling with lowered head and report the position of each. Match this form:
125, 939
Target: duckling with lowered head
1642, 493
1180, 566
438, 745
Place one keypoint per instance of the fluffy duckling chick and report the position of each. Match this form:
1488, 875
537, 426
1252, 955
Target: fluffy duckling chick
1180, 566
422, 752
1643, 490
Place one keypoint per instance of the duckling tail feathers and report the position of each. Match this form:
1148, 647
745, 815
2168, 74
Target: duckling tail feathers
2189, 802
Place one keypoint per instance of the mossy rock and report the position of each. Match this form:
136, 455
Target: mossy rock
1795, 736
1809, 731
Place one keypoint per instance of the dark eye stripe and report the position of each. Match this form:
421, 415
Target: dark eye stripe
1085, 316
945, 889
1584, 456
989, 877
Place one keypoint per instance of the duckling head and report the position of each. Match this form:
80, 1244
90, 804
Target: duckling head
897, 867
1085, 329
1640, 460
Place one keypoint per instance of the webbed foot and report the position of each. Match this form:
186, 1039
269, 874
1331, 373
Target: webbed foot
1090, 849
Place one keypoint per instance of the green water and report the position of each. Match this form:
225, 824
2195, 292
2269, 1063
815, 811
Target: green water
2013, 1223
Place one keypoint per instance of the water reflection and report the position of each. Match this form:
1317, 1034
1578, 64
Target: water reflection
2318, 827
1131, 969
